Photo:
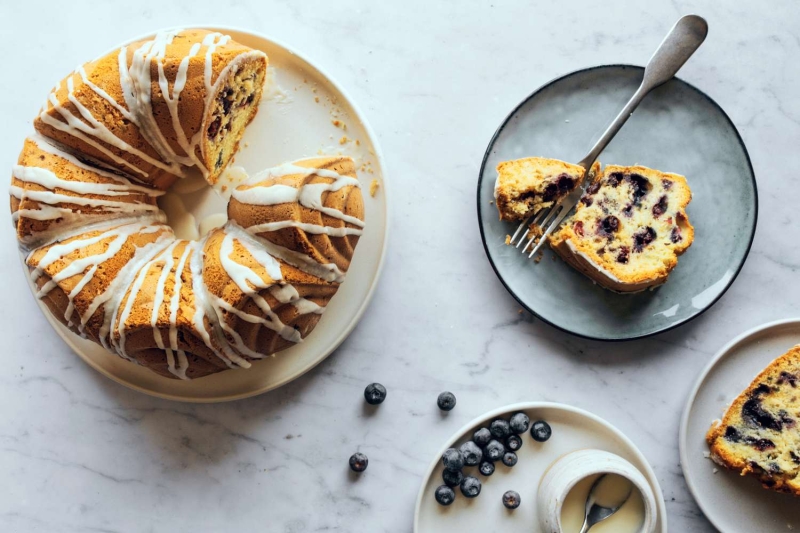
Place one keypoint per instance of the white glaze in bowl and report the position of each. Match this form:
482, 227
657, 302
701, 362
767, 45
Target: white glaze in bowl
567, 471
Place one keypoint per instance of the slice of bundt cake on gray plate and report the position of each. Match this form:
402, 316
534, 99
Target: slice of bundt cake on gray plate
628, 229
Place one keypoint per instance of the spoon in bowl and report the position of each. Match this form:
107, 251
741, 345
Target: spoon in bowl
602, 504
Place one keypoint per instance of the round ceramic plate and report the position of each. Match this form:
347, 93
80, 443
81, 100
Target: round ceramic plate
295, 120
676, 129
573, 429
714, 488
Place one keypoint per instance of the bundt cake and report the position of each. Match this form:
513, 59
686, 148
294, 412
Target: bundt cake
628, 229
524, 186
758, 434
101, 256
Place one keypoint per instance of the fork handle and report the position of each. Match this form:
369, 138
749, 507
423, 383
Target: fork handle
677, 47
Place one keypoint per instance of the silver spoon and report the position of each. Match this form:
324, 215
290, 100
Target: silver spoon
597, 513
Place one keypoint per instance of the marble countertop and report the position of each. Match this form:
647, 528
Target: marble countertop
81, 453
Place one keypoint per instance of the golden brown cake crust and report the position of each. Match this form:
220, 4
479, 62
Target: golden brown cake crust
758, 434
46, 180
322, 247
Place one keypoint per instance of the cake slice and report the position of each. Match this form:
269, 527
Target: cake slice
524, 186
758, 434
628, 229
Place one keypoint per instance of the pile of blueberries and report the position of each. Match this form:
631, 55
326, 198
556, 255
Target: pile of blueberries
499, 442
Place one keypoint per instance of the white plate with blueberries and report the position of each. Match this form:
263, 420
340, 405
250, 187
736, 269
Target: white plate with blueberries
496, 473
677, 128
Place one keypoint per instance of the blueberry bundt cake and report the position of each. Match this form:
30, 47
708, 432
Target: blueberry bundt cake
758, 434
99, 251
628, 229
524, 186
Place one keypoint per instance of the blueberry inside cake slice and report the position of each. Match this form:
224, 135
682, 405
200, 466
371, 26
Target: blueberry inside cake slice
524, 186
758, 435
628, 229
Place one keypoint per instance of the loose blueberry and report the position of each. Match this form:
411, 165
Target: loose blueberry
375, 393
511, 499
519, 423
358, 462
445, 495
471, 452
494, 450
452, 459
482, 437
509, 459
452, 478
446, 401
471, 486
486, 468
500, 428
513, 443
541, 431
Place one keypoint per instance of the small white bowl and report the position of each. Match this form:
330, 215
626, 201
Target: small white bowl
567, 471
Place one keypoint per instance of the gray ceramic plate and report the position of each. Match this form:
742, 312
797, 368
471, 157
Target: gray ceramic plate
714, 488
676, 129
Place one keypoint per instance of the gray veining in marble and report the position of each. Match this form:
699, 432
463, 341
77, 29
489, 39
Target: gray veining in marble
80, 453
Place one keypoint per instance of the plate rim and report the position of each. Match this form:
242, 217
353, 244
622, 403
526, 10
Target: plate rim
519, 406
683, 453
66, 335
618, 338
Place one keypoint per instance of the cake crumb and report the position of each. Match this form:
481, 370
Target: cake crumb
508, 239
715, 470
539, 257
358, 143
335, 123
707, 455
343, 140
373, 187
520, 311
316, 99
491, 202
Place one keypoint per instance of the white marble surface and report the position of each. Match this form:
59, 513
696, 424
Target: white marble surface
80, 453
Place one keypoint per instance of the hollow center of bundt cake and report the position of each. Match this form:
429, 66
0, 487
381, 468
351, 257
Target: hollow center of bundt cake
193, 207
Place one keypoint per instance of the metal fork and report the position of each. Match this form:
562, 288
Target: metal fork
678, 46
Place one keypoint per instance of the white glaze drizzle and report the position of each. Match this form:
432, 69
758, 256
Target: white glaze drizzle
136, 85
88, 266
308, 195
308, 228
